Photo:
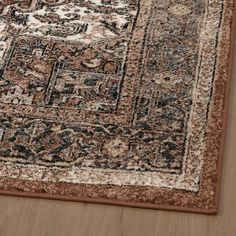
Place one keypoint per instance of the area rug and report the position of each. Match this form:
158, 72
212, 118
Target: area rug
115, 101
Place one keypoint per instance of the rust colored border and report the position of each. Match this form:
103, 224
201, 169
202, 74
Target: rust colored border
231, 61
206, 201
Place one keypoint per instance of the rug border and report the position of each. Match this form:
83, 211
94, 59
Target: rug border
161, 206
226, 110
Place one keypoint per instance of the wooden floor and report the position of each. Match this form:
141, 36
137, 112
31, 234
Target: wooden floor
35, 217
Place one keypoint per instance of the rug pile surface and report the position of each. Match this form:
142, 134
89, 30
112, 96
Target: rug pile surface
115, 101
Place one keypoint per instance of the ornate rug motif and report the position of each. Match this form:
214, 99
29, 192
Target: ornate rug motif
114, 101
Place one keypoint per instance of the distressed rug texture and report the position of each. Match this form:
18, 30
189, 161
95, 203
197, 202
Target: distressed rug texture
115, 101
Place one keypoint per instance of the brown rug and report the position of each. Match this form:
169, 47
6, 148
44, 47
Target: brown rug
115, 101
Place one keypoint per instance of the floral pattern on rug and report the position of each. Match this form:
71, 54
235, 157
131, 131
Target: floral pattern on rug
109, 92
